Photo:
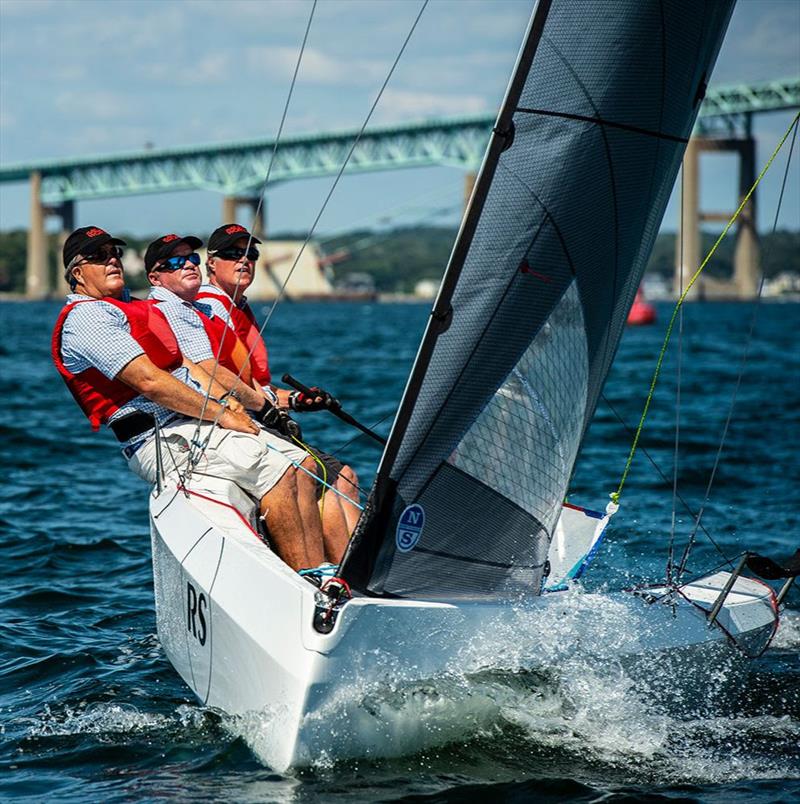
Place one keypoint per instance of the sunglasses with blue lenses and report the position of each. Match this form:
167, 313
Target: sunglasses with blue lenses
237, 254
176, 263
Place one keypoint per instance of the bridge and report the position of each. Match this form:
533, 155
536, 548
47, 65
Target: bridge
237, 170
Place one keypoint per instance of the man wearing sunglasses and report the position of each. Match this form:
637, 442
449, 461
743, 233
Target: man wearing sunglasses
172, 267
173, 270
122, 363
231, 263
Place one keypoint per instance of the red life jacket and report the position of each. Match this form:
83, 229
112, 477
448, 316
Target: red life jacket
98, 397
244, 325
233, 354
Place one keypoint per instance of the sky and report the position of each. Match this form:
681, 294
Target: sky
89, 77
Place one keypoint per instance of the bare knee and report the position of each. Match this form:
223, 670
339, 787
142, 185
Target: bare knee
288, 482
310, 475
349, 476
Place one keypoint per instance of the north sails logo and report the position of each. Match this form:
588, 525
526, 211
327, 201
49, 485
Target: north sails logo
95, 232
235, 228
170, 237
409, 528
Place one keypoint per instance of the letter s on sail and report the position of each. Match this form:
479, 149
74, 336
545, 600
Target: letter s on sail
409, 528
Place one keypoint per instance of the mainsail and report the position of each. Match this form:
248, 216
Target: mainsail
553, 246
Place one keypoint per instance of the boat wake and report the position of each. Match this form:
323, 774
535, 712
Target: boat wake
575, 712
574, 707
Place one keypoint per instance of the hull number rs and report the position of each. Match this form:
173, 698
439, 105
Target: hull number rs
196, 610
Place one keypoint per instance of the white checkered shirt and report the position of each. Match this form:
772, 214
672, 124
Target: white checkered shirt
97, 335
185, 324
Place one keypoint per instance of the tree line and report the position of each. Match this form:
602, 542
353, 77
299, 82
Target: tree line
398, 258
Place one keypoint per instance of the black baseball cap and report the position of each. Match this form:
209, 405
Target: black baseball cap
162, 247
86, 241
227, 234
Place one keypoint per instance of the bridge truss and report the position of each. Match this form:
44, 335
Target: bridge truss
238, 169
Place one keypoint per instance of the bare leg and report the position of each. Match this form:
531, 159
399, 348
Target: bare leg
279, 507
334, 527
309, 512
347, 483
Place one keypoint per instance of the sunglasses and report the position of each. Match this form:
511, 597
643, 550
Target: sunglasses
237, 254
103, 256
176, 263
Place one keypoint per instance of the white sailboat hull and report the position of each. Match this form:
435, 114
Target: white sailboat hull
237, 625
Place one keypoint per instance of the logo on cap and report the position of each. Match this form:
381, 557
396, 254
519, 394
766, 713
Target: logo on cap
95, 232
235, 228
169, 238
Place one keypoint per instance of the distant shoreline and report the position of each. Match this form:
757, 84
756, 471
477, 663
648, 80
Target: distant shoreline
401, 298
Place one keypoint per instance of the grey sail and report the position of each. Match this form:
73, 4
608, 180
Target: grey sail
564, 214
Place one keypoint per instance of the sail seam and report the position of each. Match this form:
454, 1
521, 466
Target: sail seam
601, 122
548, 216
607, 338
485, 562
455, 266
479, 342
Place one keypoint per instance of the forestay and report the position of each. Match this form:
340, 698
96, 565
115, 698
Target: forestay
556, 238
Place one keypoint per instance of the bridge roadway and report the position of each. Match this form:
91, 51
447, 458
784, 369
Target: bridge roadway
239, 168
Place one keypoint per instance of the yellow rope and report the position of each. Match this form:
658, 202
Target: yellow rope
616, 495
319, 463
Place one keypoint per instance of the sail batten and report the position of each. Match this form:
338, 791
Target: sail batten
600, 122
565, 210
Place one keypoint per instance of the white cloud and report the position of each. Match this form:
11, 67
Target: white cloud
317, 67
92, 104
211, 68
397, 104
20, 8
769, 36
249, 11
109, 138
7, 120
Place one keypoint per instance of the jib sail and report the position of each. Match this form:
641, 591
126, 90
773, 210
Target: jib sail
551, 251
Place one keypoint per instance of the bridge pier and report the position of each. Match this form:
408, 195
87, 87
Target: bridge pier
37, 278
230, 209
746, 261
66, 212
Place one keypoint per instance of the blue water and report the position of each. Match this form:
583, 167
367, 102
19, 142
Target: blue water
91, 710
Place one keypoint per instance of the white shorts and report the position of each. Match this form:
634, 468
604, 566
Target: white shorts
255, 463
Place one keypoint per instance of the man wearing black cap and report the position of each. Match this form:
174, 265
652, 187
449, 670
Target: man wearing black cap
232, 257
123, 365
172, 269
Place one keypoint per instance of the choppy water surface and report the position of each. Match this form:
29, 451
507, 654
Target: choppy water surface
90, 708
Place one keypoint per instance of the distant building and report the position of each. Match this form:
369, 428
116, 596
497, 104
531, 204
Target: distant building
426, 288
309, 279
134, 262
784, 284
356, 286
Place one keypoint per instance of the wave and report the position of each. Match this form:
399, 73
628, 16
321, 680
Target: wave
547, 693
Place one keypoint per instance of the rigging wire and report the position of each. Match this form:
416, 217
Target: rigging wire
742, 367
396, 210
193, 457
328, 196
362, 435
676, 452
615, 496
661, 474
342, 168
